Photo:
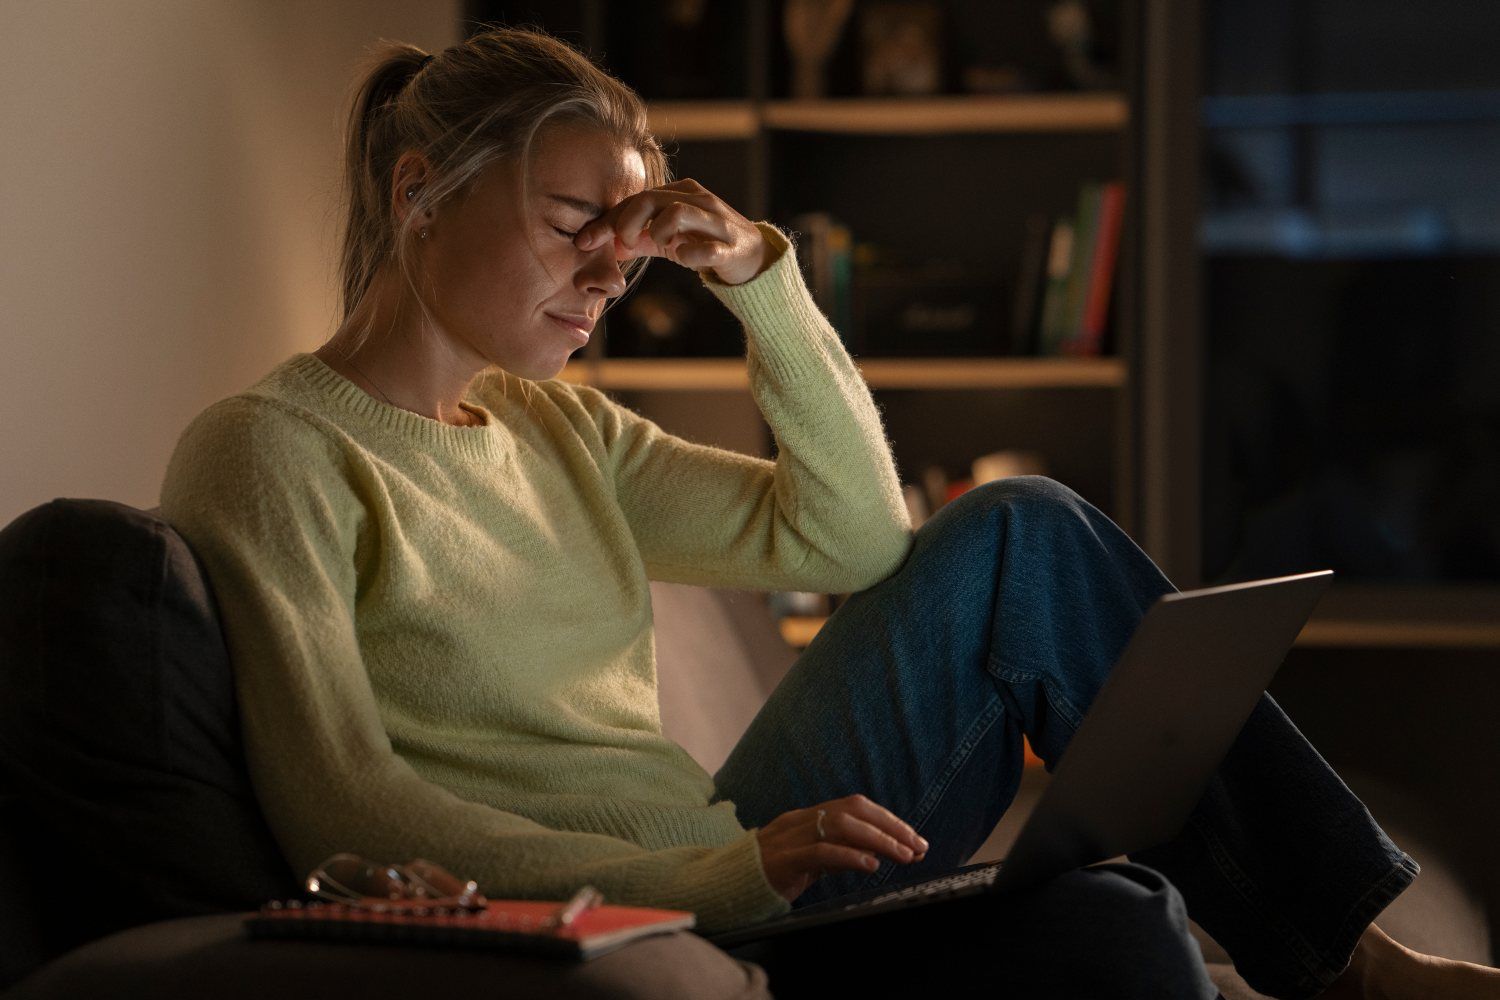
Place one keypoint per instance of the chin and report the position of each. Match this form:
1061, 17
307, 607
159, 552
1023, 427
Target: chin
536, 371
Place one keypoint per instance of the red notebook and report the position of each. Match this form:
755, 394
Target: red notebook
503, 924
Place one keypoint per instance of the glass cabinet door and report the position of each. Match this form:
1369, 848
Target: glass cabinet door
1349, 289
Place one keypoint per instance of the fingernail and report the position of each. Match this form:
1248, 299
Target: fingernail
870, 862
922, 843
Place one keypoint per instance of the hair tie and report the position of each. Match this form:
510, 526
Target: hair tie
425, 60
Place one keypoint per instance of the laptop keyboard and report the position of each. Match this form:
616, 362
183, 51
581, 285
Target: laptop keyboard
982, 876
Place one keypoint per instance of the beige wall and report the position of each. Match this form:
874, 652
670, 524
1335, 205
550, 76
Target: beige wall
168, 211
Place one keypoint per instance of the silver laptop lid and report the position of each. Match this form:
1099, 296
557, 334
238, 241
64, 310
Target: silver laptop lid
1180, 693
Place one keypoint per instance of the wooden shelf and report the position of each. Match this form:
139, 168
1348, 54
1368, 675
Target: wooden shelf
1099, 112
704, 120
1400, 635
1356, 616
799, 631
959, 113
1393, 616
879, 373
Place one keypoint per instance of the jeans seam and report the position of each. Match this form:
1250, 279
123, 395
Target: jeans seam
1319, 971
1060, 705
1363, 909
981, 725
1303, 949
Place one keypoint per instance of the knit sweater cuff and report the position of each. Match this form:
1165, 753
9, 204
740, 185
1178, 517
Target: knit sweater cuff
736, 890
778, 313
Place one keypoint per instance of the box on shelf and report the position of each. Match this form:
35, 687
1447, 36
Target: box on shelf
934, 309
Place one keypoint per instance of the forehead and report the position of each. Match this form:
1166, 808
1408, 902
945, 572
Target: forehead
585, 164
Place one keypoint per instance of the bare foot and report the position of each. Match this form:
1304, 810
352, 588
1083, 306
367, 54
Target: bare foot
1384, 969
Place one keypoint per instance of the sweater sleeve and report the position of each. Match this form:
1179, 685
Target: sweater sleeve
272, 508
827, 515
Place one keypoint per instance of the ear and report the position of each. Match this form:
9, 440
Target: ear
409, 175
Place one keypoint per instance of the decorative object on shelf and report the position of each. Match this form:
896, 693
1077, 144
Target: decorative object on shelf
916, 504
994, 79
934, 308
1007, 463
812, 29
901, 48
1071, 27
795, 602
678, 50
669, 314
935, 487
658, 322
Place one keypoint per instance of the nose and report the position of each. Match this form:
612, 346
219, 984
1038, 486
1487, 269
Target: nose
601, 273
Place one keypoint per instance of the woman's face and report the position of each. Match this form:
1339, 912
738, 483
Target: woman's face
496, 296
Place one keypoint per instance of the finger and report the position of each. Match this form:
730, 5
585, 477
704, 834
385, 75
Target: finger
834, 857
678, 220
687, 221
878, 815
699, 254
850, 829
634, 215
608, 225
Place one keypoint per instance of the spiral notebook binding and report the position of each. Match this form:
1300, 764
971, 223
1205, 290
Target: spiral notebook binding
528, 926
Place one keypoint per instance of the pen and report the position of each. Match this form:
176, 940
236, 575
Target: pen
584, 899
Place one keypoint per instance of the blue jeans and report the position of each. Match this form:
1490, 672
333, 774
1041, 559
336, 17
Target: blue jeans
1016, 600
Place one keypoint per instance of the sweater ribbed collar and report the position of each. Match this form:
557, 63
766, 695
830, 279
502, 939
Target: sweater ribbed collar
490, 440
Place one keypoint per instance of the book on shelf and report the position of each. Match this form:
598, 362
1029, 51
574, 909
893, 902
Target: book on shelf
1059, 258
499, 924
827, 255
936, 489
1085, 238
1088, 339
1081, 259
1030, 284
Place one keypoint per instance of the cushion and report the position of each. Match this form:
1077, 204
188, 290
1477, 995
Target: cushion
118, 727
175, 959
719, 655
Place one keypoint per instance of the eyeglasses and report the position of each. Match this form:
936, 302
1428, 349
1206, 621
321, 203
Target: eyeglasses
353, 881
416, 887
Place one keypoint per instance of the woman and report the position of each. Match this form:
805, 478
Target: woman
432, 561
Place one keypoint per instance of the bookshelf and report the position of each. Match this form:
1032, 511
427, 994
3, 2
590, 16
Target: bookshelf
951, 178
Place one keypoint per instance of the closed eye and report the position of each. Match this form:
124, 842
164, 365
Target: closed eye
572, 235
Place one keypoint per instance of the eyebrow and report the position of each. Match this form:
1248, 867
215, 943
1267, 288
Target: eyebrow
582, 204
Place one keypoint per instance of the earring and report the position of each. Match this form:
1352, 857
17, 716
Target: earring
410, 192
423, 233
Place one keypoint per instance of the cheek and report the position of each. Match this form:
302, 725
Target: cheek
493, 276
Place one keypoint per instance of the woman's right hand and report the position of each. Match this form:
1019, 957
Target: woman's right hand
855, 830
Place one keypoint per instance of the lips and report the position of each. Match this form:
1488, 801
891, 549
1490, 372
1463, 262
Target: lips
581, 322
580, 332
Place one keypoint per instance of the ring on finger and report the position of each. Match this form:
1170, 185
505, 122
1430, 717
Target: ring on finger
821, 834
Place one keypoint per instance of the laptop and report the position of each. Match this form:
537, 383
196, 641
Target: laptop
1166, 715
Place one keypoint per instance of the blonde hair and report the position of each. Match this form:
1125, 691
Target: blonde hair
478, 102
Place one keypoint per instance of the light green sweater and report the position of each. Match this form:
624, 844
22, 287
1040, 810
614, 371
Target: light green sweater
442, 636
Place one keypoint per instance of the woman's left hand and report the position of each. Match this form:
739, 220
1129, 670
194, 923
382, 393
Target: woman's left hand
688, 225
